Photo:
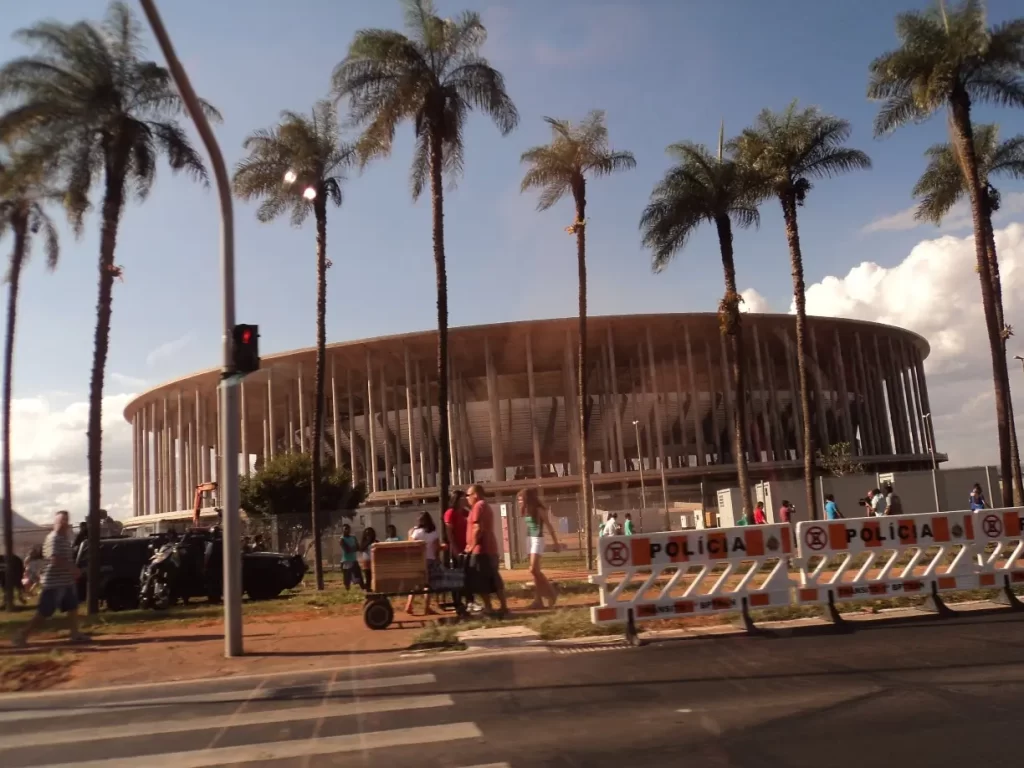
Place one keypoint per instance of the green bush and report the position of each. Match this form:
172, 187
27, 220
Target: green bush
282, 486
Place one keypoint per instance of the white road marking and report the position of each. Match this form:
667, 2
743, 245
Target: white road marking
684, 711
265, 694
192, 724
282, 750
491, 765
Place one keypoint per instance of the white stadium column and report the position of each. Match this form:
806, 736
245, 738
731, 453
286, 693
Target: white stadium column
302, 413
410, 420
334, 419
244, 430
272, 442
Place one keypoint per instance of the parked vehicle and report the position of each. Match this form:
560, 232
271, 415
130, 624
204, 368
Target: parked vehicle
162, 570
121, 562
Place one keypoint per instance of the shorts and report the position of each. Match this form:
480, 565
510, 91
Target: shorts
536, 545
52, 599
483, 573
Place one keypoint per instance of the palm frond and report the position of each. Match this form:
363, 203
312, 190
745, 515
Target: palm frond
432, 77
310, 147
701, 188
575, 152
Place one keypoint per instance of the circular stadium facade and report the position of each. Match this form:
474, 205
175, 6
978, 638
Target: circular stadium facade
658, 397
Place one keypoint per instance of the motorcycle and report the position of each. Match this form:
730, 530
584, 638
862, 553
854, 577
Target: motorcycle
159, 577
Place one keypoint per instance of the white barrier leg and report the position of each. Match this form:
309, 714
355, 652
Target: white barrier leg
1008, 597
832, 613
632, 636
748, 622
933, 603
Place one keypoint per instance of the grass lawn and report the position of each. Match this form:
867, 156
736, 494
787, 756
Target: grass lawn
334, 598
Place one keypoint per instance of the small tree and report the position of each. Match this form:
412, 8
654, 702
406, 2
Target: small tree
283, 486
838, 461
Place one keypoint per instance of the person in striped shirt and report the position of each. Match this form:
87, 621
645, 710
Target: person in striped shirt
58, 583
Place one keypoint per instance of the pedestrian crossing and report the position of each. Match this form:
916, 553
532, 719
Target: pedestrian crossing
395, 720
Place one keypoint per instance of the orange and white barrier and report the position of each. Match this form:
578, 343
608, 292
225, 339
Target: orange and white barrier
1000, 546
940, 547
677, 574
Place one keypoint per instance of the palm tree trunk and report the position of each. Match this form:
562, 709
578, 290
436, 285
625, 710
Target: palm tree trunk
320, 211
20, 227
437, 202
113, 203
729, 318
963, 136
581, 372
796, 262
997, 291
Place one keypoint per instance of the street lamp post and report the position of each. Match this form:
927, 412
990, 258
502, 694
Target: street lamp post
640, 464
930, 434
228, 389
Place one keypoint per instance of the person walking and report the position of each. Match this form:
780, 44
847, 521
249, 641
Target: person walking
391, 533
350, 571
831, 508
363, 556
58, 584
786, 512
537, 522
628, 528
977, 498
893, 503
482, 548
426, 532
760, 518
455, 522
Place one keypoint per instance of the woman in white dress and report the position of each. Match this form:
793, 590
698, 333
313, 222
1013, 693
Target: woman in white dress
426, 532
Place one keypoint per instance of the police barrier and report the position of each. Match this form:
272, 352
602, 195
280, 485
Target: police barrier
938, 549
999, 546
708, 571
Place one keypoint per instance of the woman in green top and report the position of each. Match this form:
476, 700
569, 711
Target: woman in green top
537, 521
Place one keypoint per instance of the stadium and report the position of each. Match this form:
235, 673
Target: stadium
659, 407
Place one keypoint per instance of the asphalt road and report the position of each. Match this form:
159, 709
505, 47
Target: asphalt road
932, 692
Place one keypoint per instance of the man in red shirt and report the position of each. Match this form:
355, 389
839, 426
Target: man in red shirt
455, 522
482, 548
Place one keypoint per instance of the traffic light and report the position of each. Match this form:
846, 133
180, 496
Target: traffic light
246, 349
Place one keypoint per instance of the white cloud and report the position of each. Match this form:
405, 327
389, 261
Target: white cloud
935, 292
754, 302
168, 349
48, 457
958, 218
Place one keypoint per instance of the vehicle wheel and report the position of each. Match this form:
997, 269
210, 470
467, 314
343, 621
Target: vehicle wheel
263, 593
121, 596
378, 613
161, 595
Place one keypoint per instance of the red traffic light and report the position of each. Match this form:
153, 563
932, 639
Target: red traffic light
246, 349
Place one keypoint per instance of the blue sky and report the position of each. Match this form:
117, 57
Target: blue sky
664, 70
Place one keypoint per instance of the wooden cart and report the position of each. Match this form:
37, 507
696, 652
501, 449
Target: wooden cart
399, 569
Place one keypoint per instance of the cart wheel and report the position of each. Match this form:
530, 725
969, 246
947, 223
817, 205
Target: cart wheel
378, 613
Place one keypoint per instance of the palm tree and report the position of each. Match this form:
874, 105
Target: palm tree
87, 101
298, 166
557, 169
788, 149
702, 188
433, 77
952, 60
941, 187
23, 197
